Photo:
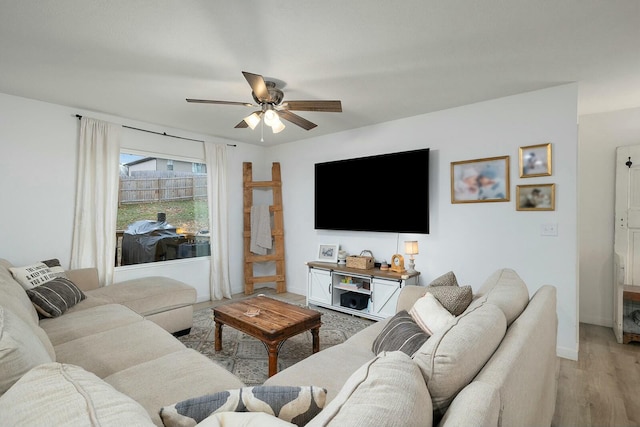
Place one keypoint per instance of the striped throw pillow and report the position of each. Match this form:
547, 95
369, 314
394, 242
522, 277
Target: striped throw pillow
401, 333
54, 297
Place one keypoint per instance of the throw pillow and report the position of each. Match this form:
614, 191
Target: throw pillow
56, 394
386, 391
55, 267
429, 314
297, 405
243, 419
55, 297
401, 333
447, 279
456, 299
32, 275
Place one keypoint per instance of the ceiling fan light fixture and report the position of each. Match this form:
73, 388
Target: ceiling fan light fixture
270, 117
277, 126
252, 120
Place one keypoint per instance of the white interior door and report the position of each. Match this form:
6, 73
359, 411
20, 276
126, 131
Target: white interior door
627, 223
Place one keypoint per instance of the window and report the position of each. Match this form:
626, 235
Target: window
162, 213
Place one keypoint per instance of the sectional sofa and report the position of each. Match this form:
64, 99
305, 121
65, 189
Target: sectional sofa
105, 364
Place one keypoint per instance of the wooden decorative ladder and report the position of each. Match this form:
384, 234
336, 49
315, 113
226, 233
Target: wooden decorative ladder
277, 229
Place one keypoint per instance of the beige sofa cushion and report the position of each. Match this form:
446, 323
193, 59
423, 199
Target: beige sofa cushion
172, 378
135, 343
478, 404
450, 359
78, 324
386, 391
148, 295
20, 349
505, 289
55, 394
14, 297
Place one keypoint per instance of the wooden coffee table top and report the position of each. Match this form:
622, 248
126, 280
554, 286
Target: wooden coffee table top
277, 320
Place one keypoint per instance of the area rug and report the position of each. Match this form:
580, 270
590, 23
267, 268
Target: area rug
247, 358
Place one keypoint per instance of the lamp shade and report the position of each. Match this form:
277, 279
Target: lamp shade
252, 120
277, 126
411, 247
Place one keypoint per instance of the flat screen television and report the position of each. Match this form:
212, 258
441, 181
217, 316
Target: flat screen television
388, 192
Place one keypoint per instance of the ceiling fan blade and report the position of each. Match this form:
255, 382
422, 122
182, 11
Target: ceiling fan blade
324, 106
296, 120
241, 125
258, 86
210, 101
244, 124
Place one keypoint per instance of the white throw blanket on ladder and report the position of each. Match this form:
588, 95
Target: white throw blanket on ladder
260, 230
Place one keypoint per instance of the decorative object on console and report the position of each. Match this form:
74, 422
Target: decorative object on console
342, 257
328, 253
383, 265
364, 261
411, 249
397, 264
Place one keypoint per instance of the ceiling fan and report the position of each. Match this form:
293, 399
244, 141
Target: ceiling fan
269, 100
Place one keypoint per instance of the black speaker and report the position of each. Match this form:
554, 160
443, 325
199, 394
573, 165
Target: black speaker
354, 300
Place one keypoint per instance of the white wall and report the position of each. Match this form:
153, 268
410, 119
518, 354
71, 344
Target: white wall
599, 135
473, 240
38, 142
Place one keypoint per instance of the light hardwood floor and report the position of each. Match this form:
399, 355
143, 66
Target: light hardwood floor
601, 389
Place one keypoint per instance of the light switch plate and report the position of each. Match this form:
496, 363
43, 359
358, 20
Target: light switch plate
549, 229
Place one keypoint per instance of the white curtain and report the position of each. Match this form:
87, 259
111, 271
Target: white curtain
216, 157
96, 210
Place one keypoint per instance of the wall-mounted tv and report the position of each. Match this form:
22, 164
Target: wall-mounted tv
388, 192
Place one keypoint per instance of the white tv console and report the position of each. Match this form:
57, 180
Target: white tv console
327, 282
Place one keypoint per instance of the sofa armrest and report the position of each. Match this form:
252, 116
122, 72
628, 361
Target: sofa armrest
408, 295
85, 278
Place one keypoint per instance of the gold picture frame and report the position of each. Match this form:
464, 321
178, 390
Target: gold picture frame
535, 160
536, 197
480, 180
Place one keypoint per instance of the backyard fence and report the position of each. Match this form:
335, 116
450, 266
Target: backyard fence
146, 189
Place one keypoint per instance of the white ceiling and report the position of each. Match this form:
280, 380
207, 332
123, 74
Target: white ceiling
384, 60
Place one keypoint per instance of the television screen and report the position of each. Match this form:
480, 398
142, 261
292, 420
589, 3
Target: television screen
388, 192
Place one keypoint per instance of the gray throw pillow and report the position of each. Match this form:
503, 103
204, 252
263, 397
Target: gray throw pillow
456, 299
401, 333
297, 405
447, 279
54, 297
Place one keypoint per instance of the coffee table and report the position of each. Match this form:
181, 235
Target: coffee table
275, 322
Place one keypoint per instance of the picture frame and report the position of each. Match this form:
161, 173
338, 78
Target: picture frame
535, 160
536, 197
480, 180
328, 252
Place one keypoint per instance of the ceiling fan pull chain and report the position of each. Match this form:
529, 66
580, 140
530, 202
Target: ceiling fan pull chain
262, 130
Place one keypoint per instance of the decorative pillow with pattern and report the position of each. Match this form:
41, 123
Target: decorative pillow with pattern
297, 405
32, 275
456, 299
430, 315
447, 279
54, 297
401, 333
55, 267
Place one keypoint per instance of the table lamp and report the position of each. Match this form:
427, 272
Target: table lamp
411, 249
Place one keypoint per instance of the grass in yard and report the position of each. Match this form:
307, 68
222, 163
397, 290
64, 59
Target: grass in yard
190, 215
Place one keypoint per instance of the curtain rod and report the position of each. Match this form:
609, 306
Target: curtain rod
162, 133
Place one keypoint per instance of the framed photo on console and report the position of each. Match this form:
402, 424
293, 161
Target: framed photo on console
328, 253
480, 180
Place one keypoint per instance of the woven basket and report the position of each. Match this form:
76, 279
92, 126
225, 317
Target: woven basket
362, 262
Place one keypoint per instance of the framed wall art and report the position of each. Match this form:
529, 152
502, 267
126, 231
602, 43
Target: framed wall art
536, 197
328, 253
480, 180
535, 160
